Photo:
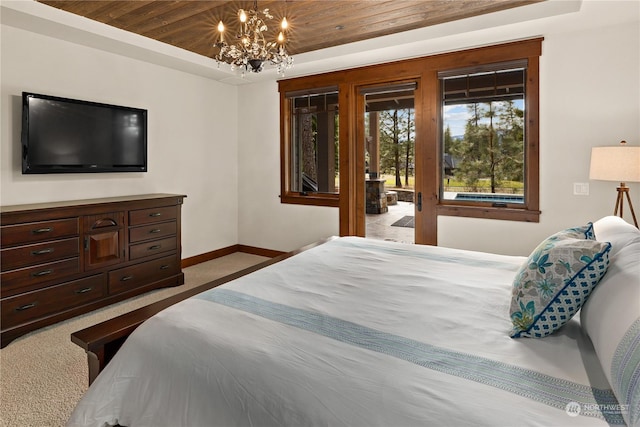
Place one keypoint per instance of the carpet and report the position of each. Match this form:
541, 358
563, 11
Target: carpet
405, 221
43, 374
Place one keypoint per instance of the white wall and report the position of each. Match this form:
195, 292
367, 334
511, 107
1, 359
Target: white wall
192, 139
590, 96
219, 144
263, 221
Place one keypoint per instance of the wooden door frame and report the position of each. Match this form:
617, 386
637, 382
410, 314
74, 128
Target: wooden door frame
424, 70
425, 157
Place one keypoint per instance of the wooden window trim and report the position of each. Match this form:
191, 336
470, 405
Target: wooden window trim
286, 195
331, 200
424, 69
489, 212
530, 210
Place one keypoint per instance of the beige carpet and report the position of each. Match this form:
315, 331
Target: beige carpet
43, 374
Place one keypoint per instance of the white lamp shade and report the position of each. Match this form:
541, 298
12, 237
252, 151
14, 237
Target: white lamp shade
616, 163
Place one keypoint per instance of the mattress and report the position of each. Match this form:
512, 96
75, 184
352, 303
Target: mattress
353, 332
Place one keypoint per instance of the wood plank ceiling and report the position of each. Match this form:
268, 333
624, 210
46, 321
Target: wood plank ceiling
314, 24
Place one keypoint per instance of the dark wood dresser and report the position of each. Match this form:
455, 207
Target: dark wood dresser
63, 259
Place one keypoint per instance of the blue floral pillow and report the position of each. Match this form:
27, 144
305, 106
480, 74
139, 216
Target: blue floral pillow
554, 282
583, 232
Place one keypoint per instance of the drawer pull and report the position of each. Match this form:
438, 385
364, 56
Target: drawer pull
26, 306
155, 214
42, 251
84, 290
154, 247
155, 230
42, 230
126, 278
164, 267
42, 273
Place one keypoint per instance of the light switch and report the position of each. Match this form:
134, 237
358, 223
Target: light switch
580, 188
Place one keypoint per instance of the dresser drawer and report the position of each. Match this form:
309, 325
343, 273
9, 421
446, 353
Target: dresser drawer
152, 231
148, 216
38, 231
37, 253
154, 247
28, 279
137, 275
33, 305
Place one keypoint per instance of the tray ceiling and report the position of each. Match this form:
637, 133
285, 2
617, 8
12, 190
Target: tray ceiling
314, 24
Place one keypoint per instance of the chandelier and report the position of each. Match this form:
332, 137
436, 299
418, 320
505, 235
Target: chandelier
251, 50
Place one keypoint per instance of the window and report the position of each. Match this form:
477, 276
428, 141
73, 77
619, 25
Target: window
313, 148
483, 136
484, 140
475, 149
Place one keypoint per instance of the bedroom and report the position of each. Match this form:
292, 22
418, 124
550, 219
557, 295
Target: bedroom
578, 110
589, 97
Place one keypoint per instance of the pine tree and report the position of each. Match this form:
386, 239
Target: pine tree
493, 145
396, 134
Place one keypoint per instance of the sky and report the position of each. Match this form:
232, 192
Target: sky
456, 116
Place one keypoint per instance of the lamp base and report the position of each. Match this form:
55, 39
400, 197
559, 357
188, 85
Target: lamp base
623, 191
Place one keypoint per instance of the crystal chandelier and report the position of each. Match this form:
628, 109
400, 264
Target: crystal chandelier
251, 50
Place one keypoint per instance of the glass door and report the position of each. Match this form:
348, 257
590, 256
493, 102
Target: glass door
388, 136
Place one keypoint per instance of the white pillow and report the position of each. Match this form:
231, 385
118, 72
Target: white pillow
616, 231
611, 315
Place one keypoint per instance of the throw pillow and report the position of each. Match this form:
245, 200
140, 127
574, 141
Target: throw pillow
554, 282
583, 232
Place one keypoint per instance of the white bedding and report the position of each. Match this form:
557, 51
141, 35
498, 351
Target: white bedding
353, 332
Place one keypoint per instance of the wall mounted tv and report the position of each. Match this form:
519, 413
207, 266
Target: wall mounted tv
61, 135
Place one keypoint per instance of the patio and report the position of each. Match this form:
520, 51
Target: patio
379, 226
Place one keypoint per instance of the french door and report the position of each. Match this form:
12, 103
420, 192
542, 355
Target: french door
390, 147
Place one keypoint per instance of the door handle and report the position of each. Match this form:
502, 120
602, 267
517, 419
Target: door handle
419, 204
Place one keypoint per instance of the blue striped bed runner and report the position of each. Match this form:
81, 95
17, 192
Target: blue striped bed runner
552, 391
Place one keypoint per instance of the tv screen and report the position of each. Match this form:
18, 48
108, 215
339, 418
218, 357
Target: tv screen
61, 135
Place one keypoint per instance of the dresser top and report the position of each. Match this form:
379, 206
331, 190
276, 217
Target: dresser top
86, 202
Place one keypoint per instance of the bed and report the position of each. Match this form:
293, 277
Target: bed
359, 332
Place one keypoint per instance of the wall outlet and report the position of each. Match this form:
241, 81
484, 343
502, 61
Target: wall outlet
580, 188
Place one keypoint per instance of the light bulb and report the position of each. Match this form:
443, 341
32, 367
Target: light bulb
284, 24
221, 31
242, 15
280, 37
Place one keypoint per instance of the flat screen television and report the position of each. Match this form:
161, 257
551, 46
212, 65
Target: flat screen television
61, 135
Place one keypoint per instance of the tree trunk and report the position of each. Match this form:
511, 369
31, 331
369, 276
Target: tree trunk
308, 148
406, 162
396, 141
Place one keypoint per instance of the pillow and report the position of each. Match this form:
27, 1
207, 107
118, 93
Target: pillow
583, 232
616, 231
554, 282
611, 316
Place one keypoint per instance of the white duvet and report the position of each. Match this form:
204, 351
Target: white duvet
354, 332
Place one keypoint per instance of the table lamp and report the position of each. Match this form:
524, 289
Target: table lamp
619, 163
